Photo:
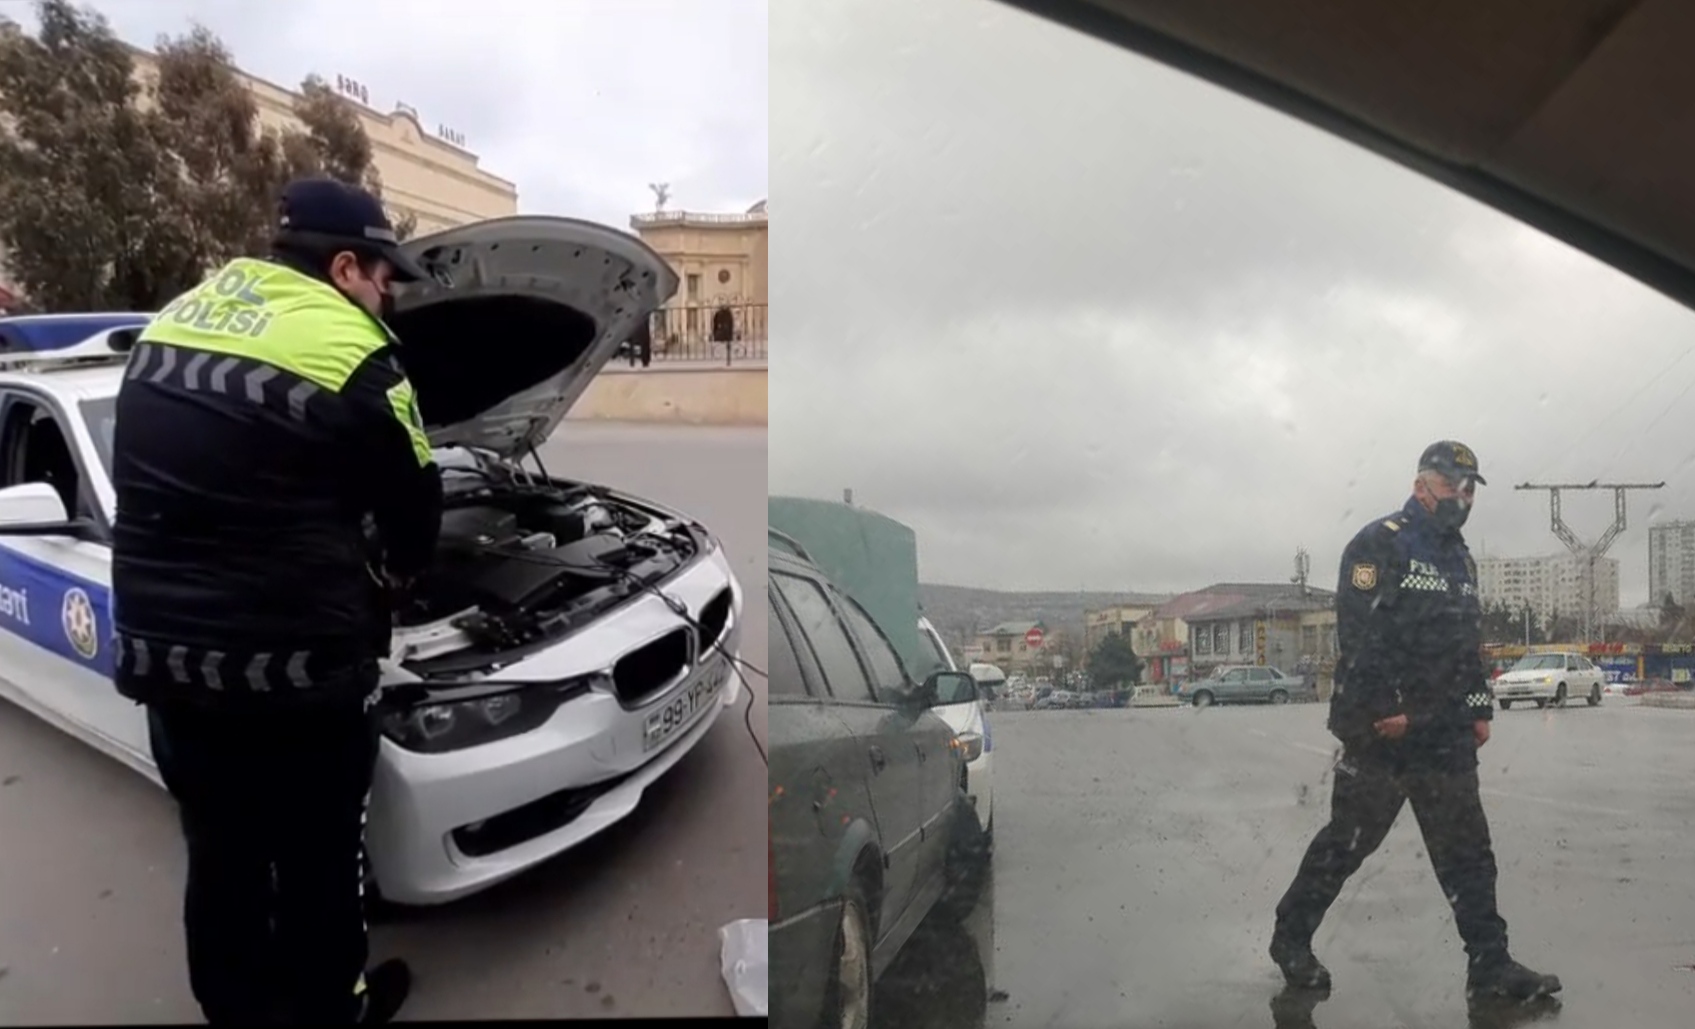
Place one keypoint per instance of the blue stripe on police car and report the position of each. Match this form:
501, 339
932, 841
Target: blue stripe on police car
55, 610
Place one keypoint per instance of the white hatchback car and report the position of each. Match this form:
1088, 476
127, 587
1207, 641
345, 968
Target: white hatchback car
572, 643
1553, 678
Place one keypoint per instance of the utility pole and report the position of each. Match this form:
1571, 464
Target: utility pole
1589, 553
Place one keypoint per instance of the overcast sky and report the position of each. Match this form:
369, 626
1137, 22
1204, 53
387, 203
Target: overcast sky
581, 103
1083, 321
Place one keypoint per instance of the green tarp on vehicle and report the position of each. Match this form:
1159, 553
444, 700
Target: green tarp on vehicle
870, 557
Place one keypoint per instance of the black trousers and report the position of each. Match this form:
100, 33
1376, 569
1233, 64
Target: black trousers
1372, 782
273, 811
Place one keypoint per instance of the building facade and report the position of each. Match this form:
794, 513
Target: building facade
723, 264
1120, 620
1671, 563
1550, 584
1290, 631
428, 174
1005, 645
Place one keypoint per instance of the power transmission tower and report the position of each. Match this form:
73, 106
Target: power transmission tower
1590, 552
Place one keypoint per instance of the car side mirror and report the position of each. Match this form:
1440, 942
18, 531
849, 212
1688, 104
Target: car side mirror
36, 509
946, 688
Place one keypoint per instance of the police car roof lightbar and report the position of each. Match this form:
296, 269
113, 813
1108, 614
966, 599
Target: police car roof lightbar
110, 347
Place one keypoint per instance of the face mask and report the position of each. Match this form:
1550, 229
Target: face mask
1451, 512
385, 305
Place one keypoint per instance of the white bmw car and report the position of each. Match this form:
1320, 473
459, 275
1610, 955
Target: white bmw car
571, 644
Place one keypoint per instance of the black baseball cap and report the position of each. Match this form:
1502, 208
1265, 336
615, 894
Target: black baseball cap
326, 212
1453, 459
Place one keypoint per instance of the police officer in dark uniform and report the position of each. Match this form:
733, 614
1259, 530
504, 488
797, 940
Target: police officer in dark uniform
263, 418
1411, 708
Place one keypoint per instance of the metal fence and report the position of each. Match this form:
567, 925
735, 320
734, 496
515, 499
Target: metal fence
727, 334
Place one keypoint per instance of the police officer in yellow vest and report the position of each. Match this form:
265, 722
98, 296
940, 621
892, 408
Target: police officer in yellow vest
274, 487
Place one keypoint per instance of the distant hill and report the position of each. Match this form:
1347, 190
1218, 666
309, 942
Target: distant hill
960, 612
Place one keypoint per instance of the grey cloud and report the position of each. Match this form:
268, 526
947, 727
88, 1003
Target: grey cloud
1082, 320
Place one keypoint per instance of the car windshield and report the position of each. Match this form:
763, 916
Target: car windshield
101, 417
1244, 375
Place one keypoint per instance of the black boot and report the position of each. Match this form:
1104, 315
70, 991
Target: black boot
1301, 969
386, 989
1508, 978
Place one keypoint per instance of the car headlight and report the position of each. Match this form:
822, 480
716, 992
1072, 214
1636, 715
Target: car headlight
437, 720
1545, 680
969, 745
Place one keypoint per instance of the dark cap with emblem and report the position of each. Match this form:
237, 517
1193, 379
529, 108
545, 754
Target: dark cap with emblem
323, 212
1455, 460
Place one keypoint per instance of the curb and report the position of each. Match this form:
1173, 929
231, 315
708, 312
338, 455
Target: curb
1667, 700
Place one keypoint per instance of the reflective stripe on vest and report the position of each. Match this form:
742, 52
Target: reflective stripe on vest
253, 320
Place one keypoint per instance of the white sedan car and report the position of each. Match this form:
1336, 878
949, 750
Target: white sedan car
1554, 678
965, 716
572, 643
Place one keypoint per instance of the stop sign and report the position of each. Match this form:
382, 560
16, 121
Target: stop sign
1033, 639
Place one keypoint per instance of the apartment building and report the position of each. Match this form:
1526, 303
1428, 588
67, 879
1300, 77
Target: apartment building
1671, 563
1549, 583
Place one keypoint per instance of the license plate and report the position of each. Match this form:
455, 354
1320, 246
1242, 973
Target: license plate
685, 706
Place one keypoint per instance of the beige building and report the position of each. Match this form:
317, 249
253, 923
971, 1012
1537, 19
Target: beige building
723, 264
1005, 646
430, 176
1121, 620
426, 173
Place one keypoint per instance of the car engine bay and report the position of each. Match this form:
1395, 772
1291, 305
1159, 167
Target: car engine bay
521, 558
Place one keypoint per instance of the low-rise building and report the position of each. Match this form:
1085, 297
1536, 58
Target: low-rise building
1007, 646
1288, 626
1118, 620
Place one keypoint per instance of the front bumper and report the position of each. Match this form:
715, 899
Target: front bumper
1523, 691
443, 826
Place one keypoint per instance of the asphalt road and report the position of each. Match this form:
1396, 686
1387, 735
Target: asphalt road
1139, 855
91, 864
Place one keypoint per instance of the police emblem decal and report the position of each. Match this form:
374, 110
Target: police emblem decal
81, 628
1364, 577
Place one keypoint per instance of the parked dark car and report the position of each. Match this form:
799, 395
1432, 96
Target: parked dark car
870, 829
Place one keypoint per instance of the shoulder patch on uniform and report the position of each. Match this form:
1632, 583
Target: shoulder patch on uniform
1364, 576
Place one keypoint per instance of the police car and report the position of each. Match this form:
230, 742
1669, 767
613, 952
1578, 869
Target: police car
572, 644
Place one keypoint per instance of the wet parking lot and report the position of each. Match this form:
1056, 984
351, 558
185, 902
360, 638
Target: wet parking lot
1140, 852
91, 863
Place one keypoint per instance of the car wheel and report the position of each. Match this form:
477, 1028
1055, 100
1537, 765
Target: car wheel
968, 864
1595, 696
1560, 695
1203, 699
847, 1003
1279, 697
1506, 705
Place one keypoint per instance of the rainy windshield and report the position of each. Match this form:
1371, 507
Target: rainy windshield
1289, 453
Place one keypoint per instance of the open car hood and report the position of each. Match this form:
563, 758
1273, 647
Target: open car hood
522, 314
